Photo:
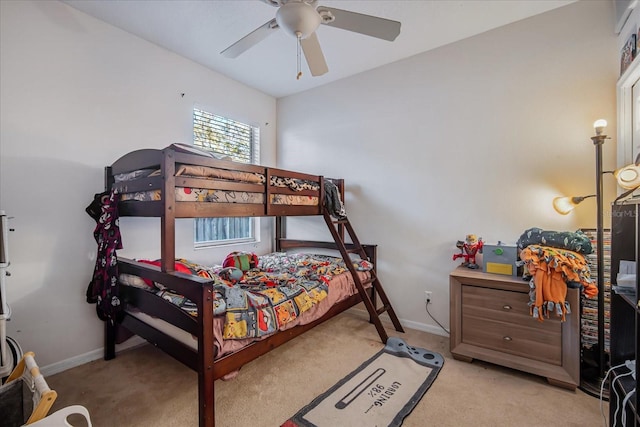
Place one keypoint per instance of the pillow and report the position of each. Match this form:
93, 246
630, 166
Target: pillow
194, 149
363, 265
244, 261
135, 281
178, 266
576, 241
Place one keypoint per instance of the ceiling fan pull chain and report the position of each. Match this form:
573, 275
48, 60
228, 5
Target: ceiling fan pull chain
298, 57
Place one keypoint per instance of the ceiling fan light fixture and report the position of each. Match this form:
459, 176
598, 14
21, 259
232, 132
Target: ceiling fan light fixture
298, 18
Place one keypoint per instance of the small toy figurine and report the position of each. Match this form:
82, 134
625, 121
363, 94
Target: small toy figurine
468, 250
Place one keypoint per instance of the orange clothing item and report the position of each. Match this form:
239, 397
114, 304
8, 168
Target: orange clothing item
551, 269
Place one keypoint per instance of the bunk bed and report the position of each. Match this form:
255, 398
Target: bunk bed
183, 182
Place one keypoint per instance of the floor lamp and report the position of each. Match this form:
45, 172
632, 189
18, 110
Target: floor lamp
564, 205
598, 141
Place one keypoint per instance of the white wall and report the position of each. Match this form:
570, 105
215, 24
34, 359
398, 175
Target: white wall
76, 95
474, 137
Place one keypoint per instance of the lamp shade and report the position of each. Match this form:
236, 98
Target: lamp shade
564, 205
628, 177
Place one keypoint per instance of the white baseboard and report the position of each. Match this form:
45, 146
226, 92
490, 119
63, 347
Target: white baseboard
136, 341
436, 330
90, 356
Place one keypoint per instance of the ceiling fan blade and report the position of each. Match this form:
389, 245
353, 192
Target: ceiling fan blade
314, 56
250, 39
373, 26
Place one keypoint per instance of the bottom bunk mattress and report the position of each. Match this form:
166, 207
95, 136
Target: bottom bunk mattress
282, 291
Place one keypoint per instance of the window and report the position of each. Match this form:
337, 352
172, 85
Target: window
241, 142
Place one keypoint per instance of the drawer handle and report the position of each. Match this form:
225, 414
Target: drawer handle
507, 338
506, 307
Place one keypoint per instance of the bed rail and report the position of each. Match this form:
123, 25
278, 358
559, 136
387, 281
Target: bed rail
140, 159
163, 203
282, 244
186, 284
150, 304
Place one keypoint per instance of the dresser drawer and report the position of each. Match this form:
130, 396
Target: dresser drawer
500, 320
504, 306
530, 342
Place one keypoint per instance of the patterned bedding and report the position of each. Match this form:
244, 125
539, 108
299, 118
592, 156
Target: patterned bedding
187, 194
224, 174
268, 299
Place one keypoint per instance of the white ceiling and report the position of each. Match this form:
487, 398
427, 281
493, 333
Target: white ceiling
200, 30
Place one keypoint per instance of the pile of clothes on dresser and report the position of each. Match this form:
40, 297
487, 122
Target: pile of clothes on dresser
554, 261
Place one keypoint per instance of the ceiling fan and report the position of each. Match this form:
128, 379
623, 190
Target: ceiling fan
301, 19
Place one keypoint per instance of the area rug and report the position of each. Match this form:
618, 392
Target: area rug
381, 392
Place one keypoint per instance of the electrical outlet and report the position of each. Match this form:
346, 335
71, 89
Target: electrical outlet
427, 296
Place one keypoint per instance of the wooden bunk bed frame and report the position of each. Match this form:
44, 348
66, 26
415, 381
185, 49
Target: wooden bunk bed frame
200, 290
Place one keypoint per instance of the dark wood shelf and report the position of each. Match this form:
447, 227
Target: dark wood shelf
629, 300
625, 316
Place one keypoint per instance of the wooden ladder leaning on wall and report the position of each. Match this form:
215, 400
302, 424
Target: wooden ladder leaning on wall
337, 228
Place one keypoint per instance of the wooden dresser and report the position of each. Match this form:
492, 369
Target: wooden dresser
490, 321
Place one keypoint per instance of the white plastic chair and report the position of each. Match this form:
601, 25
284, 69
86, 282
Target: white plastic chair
59, 418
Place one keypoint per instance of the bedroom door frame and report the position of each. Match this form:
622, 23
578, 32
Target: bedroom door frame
628, 115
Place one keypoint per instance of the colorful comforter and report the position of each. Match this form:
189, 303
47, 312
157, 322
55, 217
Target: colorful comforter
189, 194
268, 298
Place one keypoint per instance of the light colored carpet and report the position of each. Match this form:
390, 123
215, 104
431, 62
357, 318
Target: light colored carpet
145, 387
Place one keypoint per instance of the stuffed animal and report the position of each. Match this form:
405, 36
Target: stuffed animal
231, 274
244, 261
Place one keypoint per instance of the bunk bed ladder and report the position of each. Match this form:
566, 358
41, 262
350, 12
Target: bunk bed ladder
337, 227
